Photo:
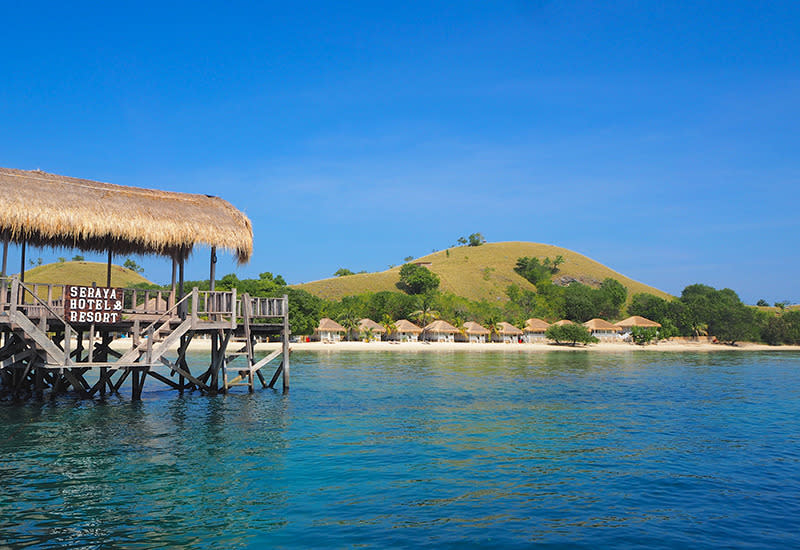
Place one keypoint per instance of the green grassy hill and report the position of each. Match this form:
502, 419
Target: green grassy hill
479, 272
82, 273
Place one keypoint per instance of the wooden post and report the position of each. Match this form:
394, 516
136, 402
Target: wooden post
172, 294
212, 275
3, 273
5, 256
180, 285
108, 269
67, 342
195, 302
22, 263
285, 338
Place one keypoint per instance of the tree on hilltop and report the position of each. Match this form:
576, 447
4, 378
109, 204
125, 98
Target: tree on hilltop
417, 279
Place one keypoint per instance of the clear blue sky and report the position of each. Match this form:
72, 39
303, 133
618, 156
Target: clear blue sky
660, 140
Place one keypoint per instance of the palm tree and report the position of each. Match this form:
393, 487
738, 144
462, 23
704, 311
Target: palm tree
388, 324
458, 322
349, 320
492, 323
369, 334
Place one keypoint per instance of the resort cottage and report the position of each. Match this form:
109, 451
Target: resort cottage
370, 331
406, 331
534, 331
329, 331
474, 333
440, 331
626, 325
509, 332
603, 330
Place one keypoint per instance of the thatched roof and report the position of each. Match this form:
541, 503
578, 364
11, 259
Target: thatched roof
441, 326
536, 325
471, 327
507, 329
637, 321
329, 325
600, 324
369, 324
49, 210
404, 325
563, 322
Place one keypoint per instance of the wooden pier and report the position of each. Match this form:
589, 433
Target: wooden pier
57, 338
43, 353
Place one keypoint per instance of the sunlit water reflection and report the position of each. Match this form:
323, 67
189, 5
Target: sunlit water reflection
423, 449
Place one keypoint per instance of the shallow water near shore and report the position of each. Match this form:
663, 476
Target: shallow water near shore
406, 450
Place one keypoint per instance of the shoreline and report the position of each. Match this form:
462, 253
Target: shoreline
602, 347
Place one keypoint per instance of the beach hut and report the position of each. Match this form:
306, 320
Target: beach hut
370, 330
626, 325
508, 332
329, 331
534, 331
603, 330
637, 321
406, 331
475, 333
440, 331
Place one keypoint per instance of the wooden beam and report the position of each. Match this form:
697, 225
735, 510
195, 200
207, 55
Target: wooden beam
266, 359
285, 342
5, 257
184, 374
108, 270
22, 262
212, 275
54, 354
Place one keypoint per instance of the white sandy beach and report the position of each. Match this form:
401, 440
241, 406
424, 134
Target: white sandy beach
603, 347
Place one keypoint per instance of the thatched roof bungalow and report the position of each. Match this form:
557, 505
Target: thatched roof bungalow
406, 331
440, 331
369, 329
637, 321
329, 331
602, 329
534, 330
49, 210
475, 332
509, 332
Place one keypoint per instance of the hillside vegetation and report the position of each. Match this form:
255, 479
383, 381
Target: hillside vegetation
480, 272
82, 273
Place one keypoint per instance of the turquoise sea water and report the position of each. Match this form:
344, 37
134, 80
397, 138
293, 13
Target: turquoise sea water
587, 450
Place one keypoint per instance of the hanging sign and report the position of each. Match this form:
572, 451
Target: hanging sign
89, 304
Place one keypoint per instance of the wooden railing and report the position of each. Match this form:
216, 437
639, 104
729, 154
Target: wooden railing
261, 308
39, 300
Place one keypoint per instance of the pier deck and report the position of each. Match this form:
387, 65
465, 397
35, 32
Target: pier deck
49, 345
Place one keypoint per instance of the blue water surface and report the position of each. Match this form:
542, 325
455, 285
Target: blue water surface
436, 449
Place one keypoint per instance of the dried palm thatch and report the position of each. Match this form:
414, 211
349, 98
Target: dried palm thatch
638, 321
368, 324
473, 328
507, 329
601, 324
57, 211
329, 325
404, 325
441, 326
536, 325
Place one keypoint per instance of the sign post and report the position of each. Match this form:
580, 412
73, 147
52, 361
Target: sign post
87, 305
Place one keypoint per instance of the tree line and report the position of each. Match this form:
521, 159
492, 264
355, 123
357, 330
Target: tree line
700, 310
